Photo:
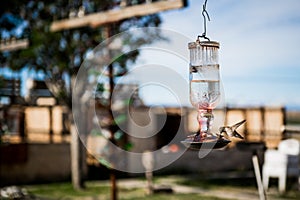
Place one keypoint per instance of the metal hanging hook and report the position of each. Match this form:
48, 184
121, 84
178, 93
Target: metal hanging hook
204, 14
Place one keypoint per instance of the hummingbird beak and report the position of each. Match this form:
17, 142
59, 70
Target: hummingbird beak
221, 129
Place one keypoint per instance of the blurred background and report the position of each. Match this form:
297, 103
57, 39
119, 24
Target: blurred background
43, 44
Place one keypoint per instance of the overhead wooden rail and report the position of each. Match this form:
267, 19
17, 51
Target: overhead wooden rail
105, 17
13, 44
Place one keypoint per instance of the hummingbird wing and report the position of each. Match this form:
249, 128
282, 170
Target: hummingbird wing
235, 126
237, 135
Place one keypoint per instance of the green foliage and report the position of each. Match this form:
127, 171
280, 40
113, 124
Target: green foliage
128, 146
105, 163
59, 54
120, 119
95, 132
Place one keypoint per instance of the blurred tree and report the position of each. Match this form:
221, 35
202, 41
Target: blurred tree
59, 54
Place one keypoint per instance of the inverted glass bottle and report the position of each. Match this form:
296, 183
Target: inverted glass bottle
204, 83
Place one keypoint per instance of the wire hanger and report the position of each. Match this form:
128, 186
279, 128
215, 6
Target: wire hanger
205, 15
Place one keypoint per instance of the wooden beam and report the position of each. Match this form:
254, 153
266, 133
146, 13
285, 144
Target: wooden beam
12, 45
101, 18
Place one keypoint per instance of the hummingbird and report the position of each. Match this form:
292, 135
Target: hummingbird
230, 131
224, 131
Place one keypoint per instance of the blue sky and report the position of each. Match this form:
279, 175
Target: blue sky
259, 53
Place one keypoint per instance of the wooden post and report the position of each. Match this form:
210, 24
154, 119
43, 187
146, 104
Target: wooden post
261, 191
114, 188
22, 127
51, 124
148, 162
109, 33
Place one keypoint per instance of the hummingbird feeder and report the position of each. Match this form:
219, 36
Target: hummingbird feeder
204, 90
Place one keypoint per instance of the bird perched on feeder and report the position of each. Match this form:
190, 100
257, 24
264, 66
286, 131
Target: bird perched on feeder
227, 132
230, 131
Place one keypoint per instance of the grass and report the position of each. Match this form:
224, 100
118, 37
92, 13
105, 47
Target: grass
66, 191
176, 197
248, 183
238, 186
96, 190
243, 184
